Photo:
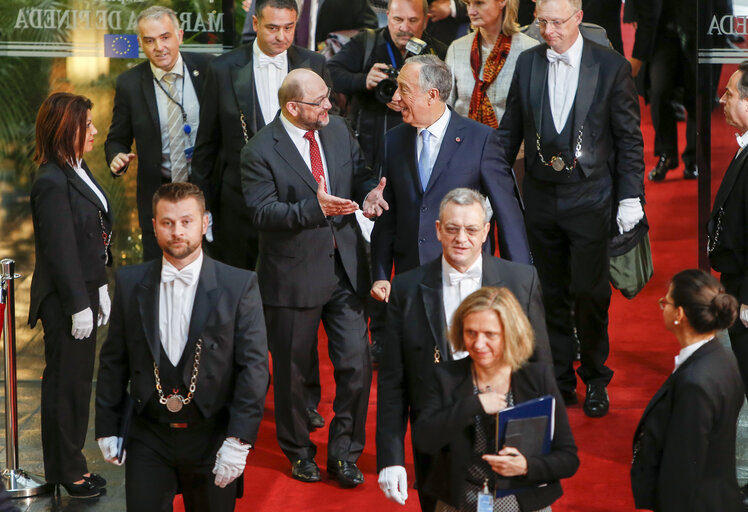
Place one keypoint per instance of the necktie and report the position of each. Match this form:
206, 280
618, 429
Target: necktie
301, 36
318, 171
169, 274
266, 61
424, 161
179, 166
553, 57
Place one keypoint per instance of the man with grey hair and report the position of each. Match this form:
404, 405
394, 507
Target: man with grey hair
435, 151
419, 312
156, 104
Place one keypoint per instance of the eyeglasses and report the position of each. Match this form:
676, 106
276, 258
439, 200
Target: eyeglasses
554, 23
662, 302
317, 104
471, 231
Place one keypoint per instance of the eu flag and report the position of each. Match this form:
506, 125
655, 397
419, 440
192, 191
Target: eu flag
121, 46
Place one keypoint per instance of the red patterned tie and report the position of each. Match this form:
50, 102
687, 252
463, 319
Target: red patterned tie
318, 171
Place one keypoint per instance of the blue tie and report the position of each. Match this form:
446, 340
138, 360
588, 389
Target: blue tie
424, 167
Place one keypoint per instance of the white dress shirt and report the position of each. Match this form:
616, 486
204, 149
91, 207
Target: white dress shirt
78, 168
189, 103
742, 141
269, 74
175, 301
437, 131
688, 351
456, 286
562, 83
297, 137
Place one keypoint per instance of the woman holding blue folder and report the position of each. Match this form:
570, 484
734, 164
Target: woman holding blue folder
458, 422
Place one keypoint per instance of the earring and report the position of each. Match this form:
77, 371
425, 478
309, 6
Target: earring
676, 322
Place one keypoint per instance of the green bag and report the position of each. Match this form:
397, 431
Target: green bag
630, 271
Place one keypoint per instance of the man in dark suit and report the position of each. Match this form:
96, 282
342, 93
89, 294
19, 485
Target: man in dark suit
188, 336
240, 98
420, 309
579, 119
728, 239
144, 106
298, 174
458, 152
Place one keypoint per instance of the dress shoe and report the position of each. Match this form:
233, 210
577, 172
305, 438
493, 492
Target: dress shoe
596, 402
570, 397
98, 480
314, 419
664, 164
87, 489
305, 470
347, 473
691, 172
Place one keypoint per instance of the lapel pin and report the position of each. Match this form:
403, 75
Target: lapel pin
457, 139
195, 73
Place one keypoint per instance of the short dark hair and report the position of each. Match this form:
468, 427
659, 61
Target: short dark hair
178, 191
60, 121
704, 301
743, 82
276, 4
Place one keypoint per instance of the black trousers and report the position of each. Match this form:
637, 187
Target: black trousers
738, 332
291, 332
669, 69
160, 460
569, 247
66, 391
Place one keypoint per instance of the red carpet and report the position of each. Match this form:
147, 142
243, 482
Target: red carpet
641, 354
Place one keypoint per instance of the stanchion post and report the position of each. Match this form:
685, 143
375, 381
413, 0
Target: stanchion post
18, 483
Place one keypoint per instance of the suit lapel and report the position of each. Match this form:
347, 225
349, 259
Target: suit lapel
410, 153
296, 59
146, 83
538, 84
286, 149
448, 147
491, 275
108, 210
329, 146
194, 74
243, 80
433, 303
147, 293
733, 170
588, 75
81, 186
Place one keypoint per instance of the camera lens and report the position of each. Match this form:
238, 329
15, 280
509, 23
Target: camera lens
385, 90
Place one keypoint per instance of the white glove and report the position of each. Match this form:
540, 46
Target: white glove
108, 447
230, 461
630, 212
744, 314
393, 480
82, 324
209, 231
105, 305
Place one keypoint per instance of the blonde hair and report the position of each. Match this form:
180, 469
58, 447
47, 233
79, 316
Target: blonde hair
519, 338
509, 25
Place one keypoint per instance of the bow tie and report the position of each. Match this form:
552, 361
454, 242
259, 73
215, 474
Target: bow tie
169, 274
474, 274
265, 61
556, 57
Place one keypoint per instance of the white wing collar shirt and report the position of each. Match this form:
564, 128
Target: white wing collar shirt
563, 79
456, 286
175, 301
269, 74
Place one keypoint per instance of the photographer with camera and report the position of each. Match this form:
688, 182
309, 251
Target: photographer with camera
367, 68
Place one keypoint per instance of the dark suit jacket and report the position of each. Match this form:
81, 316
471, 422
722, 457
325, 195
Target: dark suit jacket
606, 105
227, 316
448, 29
467, 158
416, 326
296, 265
135, 117
731, 253
446, 429
70, 255
684, 446
229, 92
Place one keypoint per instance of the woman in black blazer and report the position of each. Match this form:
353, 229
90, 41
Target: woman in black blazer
456, 424
684, 446
72, 230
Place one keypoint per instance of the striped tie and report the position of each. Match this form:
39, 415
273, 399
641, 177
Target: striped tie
179, 165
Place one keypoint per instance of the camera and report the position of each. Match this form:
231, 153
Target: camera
386, 88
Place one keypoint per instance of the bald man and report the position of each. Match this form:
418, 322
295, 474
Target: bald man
303, 177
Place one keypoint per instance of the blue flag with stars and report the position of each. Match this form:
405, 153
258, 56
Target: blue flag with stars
121, 46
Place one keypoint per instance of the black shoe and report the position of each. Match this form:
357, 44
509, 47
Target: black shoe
314, 419
347, 473
570, 397
98, 480
87, 489
305, 470
596, 402
691, 172
664, 164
